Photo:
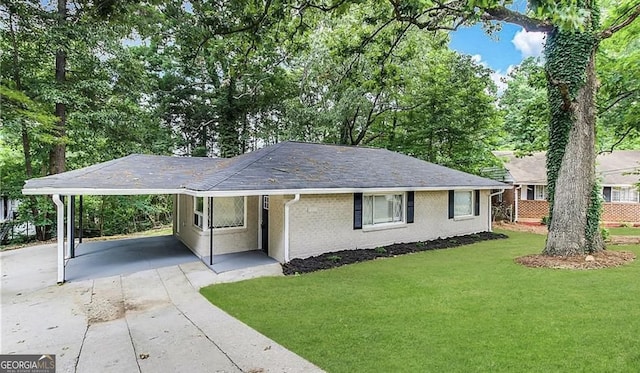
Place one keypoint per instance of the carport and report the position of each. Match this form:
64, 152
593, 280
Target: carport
132, 175
96, 259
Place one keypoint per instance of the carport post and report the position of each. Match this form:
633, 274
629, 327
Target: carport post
60, 235
80, 222
70, 227
210, 231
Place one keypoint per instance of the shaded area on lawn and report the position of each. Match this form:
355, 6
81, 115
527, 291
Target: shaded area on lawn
344, 257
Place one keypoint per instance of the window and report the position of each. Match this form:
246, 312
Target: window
382, 208
624, 194
228, 212
198, 211
540, 192
463, 203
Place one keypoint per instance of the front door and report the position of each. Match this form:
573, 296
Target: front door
265, 224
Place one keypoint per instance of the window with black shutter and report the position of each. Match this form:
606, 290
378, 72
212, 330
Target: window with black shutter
357, 210
410, 208
452, 201
606, 194
476, 201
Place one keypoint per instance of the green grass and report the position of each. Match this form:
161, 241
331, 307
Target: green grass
459, 310
624, 231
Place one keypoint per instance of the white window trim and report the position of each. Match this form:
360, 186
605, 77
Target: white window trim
202, 215
236, 228
627, 189
535, 193
386, 225
468, 216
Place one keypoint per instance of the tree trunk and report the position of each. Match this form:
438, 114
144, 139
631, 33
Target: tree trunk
57, 153
229, 137
573, 190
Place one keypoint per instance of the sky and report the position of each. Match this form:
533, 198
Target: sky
502, 51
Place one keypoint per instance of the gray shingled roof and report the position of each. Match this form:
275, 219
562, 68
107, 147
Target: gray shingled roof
285, 166
615, 168
134, 171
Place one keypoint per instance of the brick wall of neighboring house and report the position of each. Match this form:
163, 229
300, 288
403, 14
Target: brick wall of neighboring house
613, 212
621, 212
531, 209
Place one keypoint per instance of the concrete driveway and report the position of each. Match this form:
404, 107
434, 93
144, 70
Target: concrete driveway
149, 321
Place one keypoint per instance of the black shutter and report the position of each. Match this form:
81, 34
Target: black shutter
476, 202
452, 196
410, 199
357, 210
530, 192
606, 194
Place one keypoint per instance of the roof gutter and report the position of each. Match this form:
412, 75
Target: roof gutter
248, 192
287, 220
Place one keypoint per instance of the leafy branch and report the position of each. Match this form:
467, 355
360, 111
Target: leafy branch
635, 12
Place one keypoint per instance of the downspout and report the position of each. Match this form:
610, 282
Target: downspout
490, 197
516, 198
286, 225
60, 235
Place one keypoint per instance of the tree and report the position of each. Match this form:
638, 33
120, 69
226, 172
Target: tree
106, 110
525, 107
573, 36
619, 93
449, 114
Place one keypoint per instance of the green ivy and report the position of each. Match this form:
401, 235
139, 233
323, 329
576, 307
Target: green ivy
567, 55
593, 218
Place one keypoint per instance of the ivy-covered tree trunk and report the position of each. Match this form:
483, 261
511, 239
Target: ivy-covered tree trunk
228, 136
574, 194
57, 157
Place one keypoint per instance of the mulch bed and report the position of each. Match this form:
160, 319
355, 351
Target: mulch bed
344, 257
602, 259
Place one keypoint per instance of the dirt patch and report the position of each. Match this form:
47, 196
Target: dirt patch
624, 240
602, 259
102, 310
344, 257
521, 227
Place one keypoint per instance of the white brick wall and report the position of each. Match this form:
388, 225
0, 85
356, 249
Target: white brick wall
225, 241
321, 223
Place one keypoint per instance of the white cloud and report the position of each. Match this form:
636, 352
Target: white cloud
530, 44
478, 59
500, 79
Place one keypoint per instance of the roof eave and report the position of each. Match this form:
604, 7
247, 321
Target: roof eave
99, 191
252, 192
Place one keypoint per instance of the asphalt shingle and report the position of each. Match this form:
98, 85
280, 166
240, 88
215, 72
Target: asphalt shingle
283, 166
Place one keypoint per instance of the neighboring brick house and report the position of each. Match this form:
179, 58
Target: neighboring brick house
292, 200
528, 199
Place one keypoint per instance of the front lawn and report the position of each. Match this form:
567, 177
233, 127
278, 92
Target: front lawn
624, 231
465, 309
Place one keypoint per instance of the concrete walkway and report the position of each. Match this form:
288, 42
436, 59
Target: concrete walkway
149, 321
